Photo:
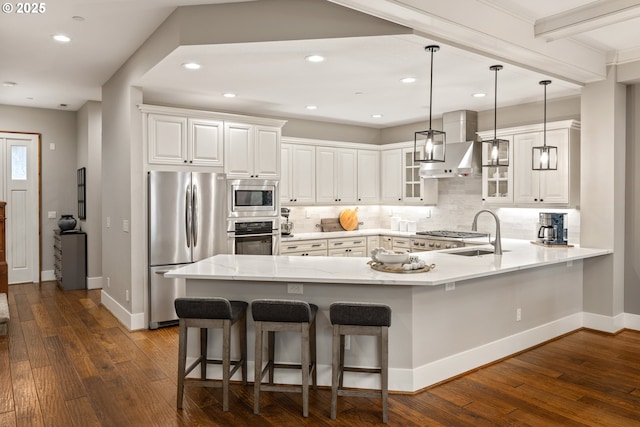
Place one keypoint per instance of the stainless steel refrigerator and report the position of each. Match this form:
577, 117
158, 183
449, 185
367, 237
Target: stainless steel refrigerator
187, 223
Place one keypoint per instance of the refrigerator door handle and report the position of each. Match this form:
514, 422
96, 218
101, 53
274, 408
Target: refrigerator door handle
188, 216
194, 214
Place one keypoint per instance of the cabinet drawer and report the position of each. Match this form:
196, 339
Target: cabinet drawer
311, 252
290, 248
347, 242
401, 243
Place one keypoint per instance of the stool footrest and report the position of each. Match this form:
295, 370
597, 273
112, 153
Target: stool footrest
359, 393
363, 370
285, 388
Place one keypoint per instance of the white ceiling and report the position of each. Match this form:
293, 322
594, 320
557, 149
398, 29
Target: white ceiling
360, 76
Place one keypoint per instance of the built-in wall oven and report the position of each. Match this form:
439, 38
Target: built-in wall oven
253, 236
252, 198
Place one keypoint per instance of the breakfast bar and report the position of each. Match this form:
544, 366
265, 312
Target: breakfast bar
466, 312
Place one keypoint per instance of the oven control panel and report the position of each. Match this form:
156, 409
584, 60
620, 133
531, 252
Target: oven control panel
421, 245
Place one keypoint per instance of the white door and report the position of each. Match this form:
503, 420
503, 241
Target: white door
19, 188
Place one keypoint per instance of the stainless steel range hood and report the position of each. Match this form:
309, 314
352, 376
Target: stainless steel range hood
463, 155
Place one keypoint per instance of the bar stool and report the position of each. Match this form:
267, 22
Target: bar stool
352, 318
207, 313
279, 316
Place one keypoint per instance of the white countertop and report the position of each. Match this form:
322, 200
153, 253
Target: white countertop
355, 233
518, 255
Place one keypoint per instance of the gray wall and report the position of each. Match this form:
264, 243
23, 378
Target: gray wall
57, 167
89, 156
632, 219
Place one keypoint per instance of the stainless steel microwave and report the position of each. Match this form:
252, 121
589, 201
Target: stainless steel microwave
253, 197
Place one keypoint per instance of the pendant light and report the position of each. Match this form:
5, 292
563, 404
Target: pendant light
497, 150
431, 141
545, 157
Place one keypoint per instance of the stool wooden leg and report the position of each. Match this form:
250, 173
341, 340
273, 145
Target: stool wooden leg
182, 361
384, 371
314, 373
258, 368
304, 330
243, 347
335, 368
226, 362
203, 352
341, 364
271, 351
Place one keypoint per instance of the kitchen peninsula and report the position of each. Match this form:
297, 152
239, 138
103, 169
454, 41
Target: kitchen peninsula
466, 312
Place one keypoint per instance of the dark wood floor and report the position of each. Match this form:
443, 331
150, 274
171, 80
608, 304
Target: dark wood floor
68, 362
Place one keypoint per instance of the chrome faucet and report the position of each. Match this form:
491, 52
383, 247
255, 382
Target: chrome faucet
497, 243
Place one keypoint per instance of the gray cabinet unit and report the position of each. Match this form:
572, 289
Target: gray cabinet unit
70, 259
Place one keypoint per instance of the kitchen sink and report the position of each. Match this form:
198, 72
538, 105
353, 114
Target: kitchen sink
474, 252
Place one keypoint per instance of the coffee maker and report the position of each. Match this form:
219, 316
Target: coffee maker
286, 227
553, 230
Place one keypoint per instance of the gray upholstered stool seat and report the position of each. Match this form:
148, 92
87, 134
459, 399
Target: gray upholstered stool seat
353, 318
205, 313
273, 316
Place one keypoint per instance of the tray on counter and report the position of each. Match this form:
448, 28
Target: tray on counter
378, 266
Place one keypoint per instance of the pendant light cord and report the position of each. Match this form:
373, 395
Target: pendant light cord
431, 48
545, 83
495, 105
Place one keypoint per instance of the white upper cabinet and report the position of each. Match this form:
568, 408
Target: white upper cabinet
298, 174
252, 151
206, 142
391, 173
368, 176
337, 175
519, 184
549, 187
246, 147
167, 137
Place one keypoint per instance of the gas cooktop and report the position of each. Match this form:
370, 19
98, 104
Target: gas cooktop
452, 234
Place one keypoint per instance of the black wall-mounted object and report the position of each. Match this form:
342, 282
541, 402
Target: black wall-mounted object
82, 193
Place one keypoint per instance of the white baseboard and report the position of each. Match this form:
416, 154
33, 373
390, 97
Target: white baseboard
94, 282
47, 275
604, 323
457, 364
632, 321
132, 321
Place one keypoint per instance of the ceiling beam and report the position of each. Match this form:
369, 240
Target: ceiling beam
586, 18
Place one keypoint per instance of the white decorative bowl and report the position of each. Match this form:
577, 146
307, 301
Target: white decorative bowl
397, 258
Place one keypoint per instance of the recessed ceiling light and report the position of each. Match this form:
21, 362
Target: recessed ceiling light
192, 65
63, 105
229, 95
408, 80
376, 116
311, 107
479, 95
9, 84
314, 58
61, 38
77, 18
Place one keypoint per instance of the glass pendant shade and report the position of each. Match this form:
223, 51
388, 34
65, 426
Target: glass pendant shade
544, 157
429, 145
495, 152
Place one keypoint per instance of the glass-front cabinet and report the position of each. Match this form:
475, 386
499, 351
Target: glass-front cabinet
497, 181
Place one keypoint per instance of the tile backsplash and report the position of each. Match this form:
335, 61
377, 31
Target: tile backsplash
458, 201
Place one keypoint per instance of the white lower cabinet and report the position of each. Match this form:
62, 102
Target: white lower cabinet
386, 242
401, 244
304, 247
372, 243
348, 246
